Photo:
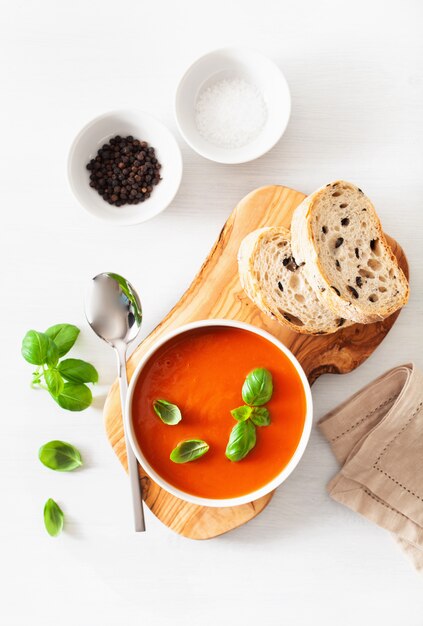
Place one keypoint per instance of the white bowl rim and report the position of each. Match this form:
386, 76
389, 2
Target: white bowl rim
271, 485
74, 188
267, 147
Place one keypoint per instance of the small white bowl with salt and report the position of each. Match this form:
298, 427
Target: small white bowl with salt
232, 105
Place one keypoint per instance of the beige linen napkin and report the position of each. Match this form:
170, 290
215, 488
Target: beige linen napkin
377, 436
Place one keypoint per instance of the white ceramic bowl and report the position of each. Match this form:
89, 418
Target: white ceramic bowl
143, 127
249, 497
229, 63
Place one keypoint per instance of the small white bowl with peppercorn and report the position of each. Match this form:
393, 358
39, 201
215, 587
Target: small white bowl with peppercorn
125, 167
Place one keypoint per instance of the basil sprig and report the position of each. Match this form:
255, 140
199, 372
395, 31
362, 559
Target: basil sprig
256, 390
169, 413
65, 380
189, 450
53, 518
60, 456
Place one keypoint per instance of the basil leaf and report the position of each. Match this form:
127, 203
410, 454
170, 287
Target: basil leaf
258, 387
60, 456
54, 381
74, 397
242, 413
64, 336
78, 371
260, 416
189, 450
242, 439
53, 518
169, 413
39, 349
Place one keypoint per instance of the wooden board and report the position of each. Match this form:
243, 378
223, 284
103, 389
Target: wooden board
216, 293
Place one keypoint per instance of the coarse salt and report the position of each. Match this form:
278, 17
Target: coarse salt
230, 113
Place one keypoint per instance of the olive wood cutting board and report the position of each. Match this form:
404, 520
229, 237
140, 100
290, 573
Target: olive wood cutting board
216, 293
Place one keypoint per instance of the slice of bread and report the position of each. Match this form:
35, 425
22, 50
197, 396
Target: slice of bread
347, 260
274, 281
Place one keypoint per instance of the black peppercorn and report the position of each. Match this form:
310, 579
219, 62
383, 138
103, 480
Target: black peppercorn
131, 163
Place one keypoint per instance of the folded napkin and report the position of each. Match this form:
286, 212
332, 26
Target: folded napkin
377, 436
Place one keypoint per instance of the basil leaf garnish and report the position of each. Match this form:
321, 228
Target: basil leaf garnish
39, 349
74, 397
53, 518
54, 381
260, 416
78, 371
242, 439
242, 413
258, 387
60, 456
189, 450
169, 413
64, 336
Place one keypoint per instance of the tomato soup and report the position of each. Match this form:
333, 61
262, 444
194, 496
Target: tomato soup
202, 371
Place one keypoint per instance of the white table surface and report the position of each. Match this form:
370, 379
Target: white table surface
355, 72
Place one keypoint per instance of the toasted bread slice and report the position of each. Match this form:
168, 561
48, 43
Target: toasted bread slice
274, 281
337, 234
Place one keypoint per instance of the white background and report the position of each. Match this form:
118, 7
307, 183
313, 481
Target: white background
355, 72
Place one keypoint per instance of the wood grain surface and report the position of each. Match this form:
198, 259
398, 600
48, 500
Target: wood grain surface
216, 293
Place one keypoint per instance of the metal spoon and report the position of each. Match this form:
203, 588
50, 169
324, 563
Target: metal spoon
113, 311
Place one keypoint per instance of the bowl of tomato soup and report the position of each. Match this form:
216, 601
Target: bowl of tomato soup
200, 368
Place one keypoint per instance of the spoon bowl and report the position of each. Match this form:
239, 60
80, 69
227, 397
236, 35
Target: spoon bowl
113, 309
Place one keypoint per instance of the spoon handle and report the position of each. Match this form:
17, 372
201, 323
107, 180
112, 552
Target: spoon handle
134, 478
